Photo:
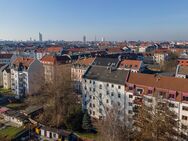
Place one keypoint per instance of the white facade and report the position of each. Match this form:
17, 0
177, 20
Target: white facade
6, 80
160, 57
27, 81
99, 97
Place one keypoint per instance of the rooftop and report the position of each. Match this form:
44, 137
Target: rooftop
135, 64
105, 62
162, 82
24, 61
105, 74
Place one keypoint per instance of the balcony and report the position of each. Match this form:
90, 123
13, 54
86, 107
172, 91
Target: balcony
138, 101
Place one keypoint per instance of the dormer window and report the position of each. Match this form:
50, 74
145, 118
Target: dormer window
185, 98
171, 96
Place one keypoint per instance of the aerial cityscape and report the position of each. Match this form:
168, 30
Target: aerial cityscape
100, 70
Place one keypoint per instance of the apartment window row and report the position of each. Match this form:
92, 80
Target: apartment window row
185, 108
112, 94
184, 117
112, 85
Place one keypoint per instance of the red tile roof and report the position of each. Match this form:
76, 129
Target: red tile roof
162, 82
135, 64
85, 61
48, 59
54, 49
25, 61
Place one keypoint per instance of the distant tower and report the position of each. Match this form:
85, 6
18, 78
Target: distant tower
84, 39
40, 37
95, 39
103, 39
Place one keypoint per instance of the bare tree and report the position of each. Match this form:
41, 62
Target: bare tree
156, 122
114, 127
57, 97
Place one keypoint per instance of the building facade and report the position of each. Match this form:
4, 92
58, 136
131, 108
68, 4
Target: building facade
26, 76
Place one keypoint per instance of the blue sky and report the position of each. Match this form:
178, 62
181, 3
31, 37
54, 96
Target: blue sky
112, 19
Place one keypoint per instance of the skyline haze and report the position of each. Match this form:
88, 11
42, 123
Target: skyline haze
113, 19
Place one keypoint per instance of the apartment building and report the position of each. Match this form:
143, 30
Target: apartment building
26, 76
104, 88
160, 56
6, 58
78, 69
52, 64
143, 88
7, 77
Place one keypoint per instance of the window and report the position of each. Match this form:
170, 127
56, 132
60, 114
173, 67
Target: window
100, 95
150, 100
130, 88
93, 82
171, 95
112, 101
150, 91
107, 84
90, 81
93, 105
90, 96
118, 103
100, 86
112, 85
93, 89
90, 105
107, 101
85, 80
185, 98
85, 88
130, 104
184, 127
112, 94
100, 110
89, 89
184, 117
185, 108
119, 95
130, 111
93, 112
100, 103
136, 66
171, 105
107, 93
93, 97
130, 66
119, 87
130, 96
139, 91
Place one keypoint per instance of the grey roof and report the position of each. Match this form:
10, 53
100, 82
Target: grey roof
106, 74
99, 61
32, 109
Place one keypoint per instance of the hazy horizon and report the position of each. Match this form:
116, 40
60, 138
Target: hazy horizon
115, 20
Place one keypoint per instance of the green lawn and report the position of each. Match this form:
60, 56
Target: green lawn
16, 106
87, 135
4, 91
10, 132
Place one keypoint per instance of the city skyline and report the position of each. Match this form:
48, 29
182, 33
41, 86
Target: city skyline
114, 20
